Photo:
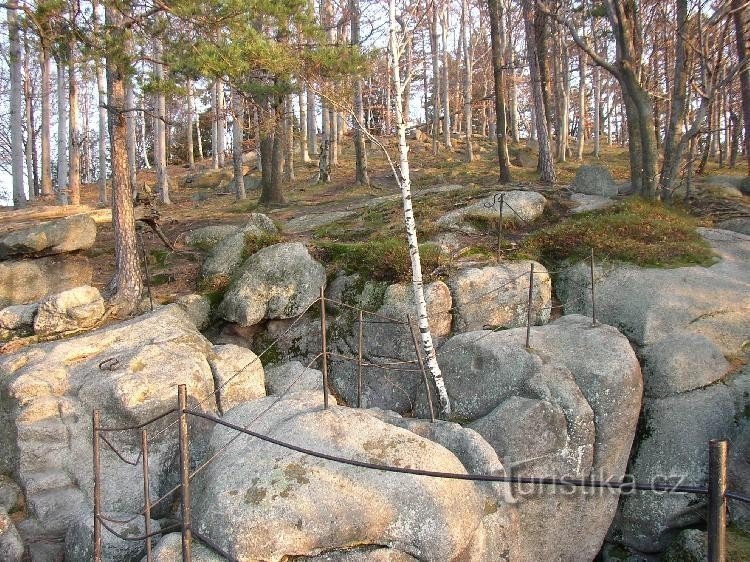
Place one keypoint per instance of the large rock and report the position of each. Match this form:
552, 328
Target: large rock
27, 281
130, 372
74, 309
11, 497
224, 258
680, 362
594, 180
293, 376
169, 549
648, 303
519, 207
498, 296
740, 224
209, 179
391, 377
207, 237
586, 203
739, 474
56, 237
79, 540
17, 319
11, 545
567, 407
674, 436
279, 281
238, 376
289, 504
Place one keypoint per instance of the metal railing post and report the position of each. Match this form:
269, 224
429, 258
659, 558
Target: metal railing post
96, 424
593, 301
187, 538
421, 366
359, 363
528, 308
146, 494
324, 346
500, 230
717, 500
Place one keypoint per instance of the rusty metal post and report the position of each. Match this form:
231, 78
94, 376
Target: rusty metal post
146, 493
359, 364
717, 500
96, 424
593, 301
528, 308
500, 229
187, 538
324, 346
421, 366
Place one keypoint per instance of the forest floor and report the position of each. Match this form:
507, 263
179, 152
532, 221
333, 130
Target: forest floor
372, 233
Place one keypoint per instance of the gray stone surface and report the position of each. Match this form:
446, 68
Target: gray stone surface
197, 307
224, 258
497, 296
585, 203
588, 377
79, 539
594, 180
691, 545
27, 281
648, 303
674, 435
169, 549
75, 309
293, 376
11, 497
519, 207
286, 503
741, 225
313, 221
209, 179
260, 223
238, 375
679, 362
279, 281
11, 545
739, 472
47, 394
77, 232
207, 237
18, 318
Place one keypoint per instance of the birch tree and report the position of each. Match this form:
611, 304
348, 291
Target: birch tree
396, 44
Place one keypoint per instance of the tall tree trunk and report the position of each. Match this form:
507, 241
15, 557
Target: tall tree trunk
445, 79
46, 148
160, 145
734, 143
16, 106
581, 105
410, 223
671, 162
501, 129
74, 166
126, 285
271, 143
360, 150
312, 126
739, 11
144, 146
221, 124
303, 134
288, 139
466, 51
214, 127
189, 128
546, 164
199, 135
434, 50
62, 135
29, 145
238, 117
597, 112
131, 123
101, 86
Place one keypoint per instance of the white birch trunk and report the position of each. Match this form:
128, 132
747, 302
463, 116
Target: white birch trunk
198, 136
144, 150
411, 229
160, 146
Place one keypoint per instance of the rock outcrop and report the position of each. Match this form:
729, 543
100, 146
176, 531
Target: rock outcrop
519, 207
278, 282
77, 232
27, 281
74, 309
594, 180
129, 371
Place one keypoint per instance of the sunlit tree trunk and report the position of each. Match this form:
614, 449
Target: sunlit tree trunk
238, 110
434, 51
214, 127
740, 15
581, 104
62, 135
16, 105
303, 135
501, 125
30, 144
467, 54
360, 149
445, 78
126, 285
395, 47
189, 128
160, 133
46, 145
74, 142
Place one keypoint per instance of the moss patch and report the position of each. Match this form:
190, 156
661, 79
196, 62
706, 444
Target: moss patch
379, 260
635, 231
256, 242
